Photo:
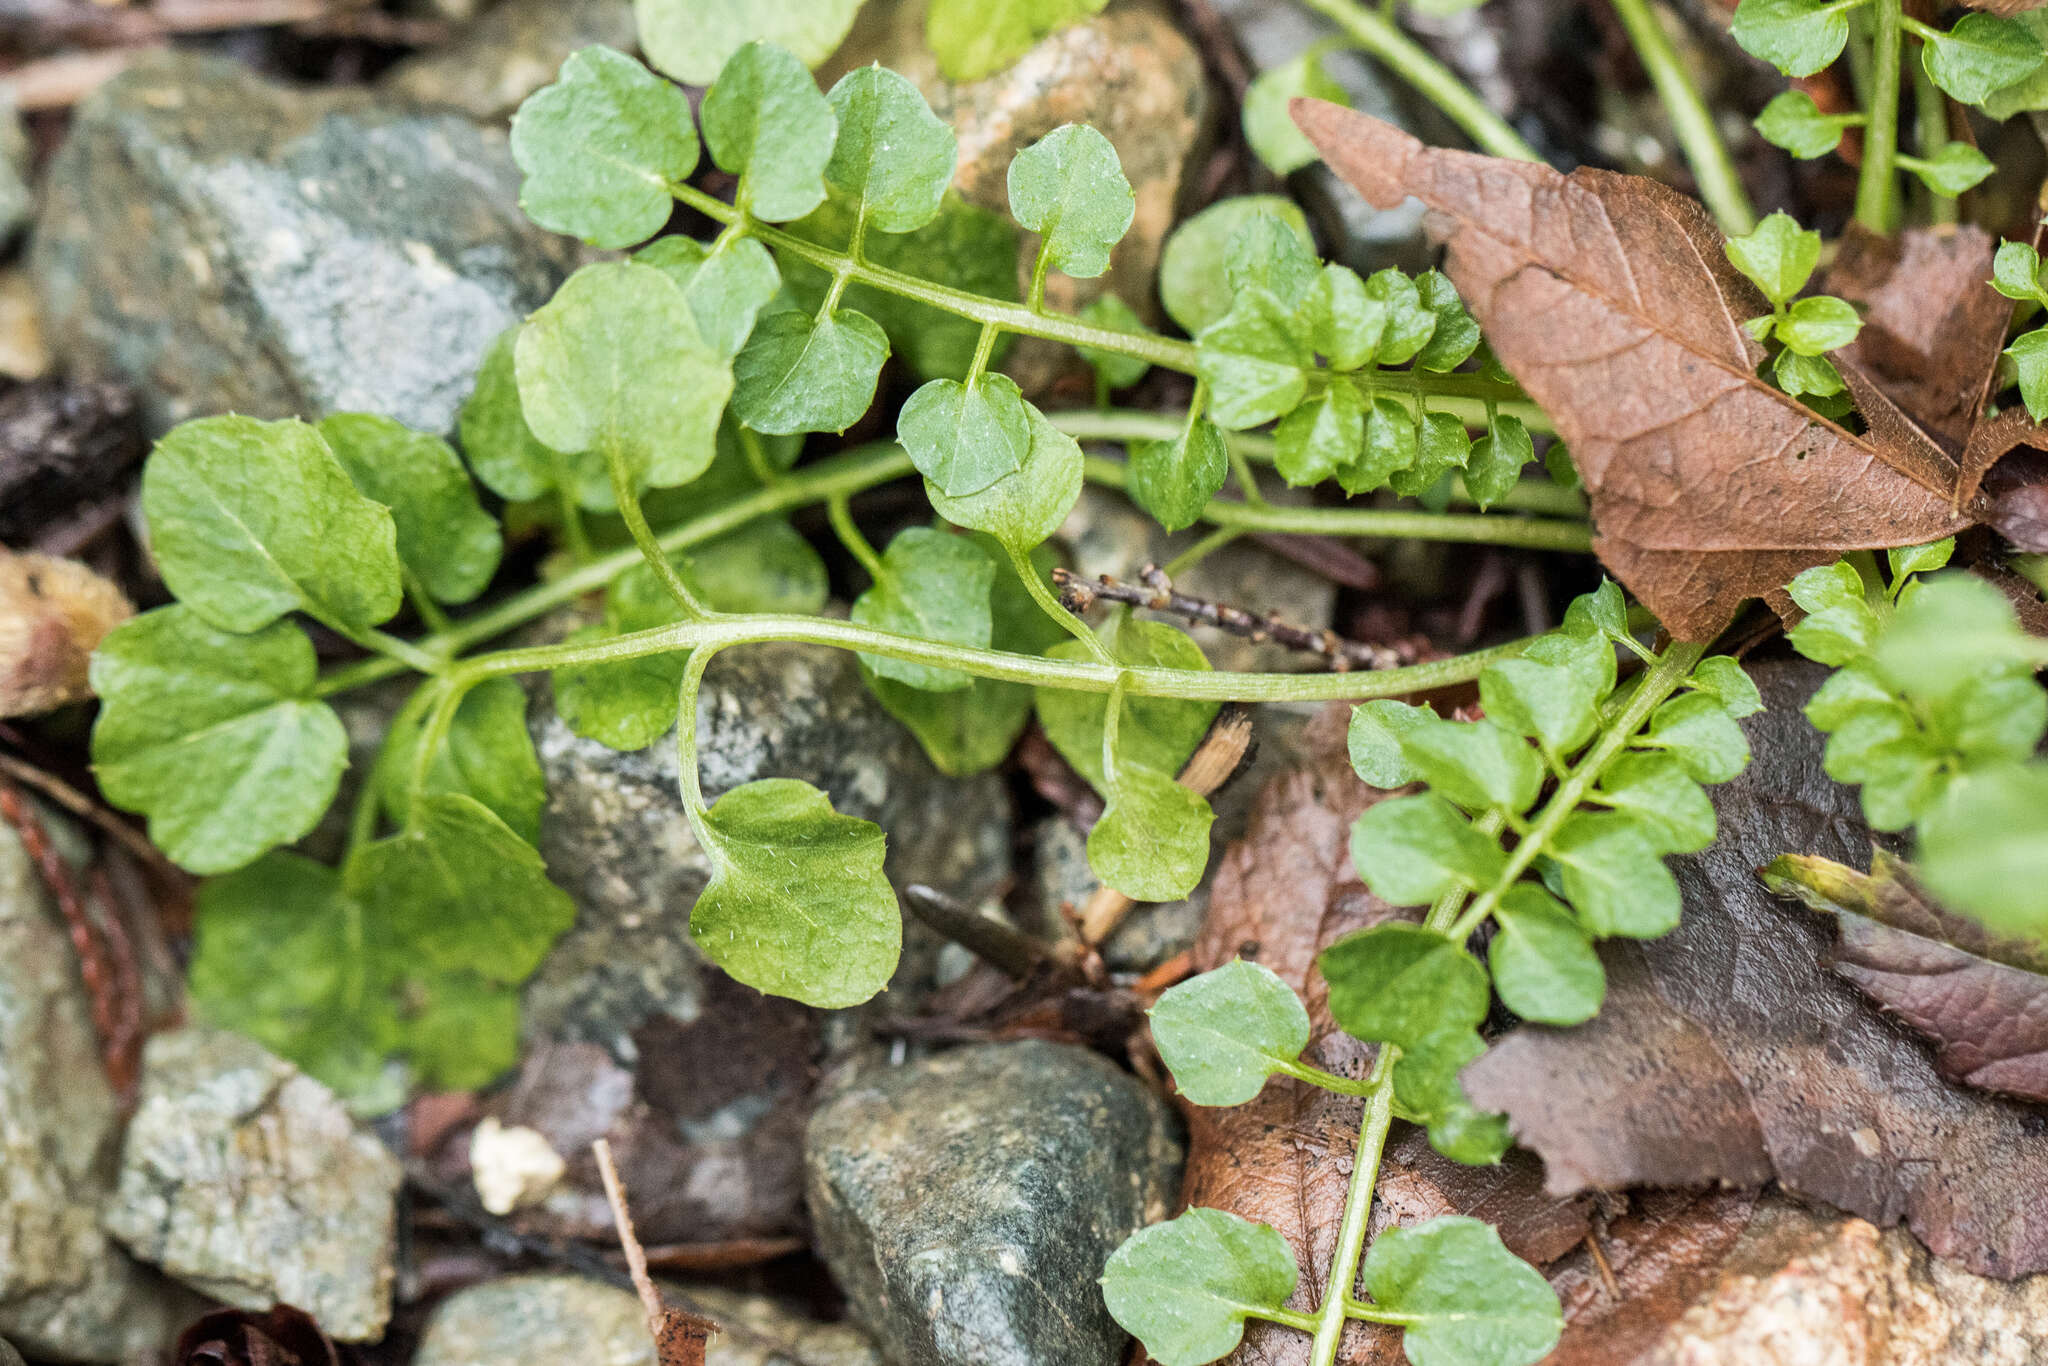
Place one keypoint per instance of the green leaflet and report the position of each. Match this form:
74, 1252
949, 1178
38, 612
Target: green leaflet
1462, 1298
1980, 56
894, 157
766, 121
1392, 444
727, 287
1174, 480
600, 148
1794, 122
1798, 37
624, 704
1497, 459
1426, 1086
250, 520
1442, 446
934, 586
1665, 800
1412, 850
1840, 623
977, 38
1154, 733
692, 40
797, 904
1269, 128
1480, 765
1612, 872
1455, 334
216, 737
445, 539
1399, 983
1544, 966
1549, 703
1254, 361
1374, 741
488, 755
1114, 369
1194, 287
1345, 321
507, 458
1027, 505
614, 365
476, 895
1778, 255
1184, 1287
1321, 437
1152, 840
964, 437
1411, 321
1696, 730
1223, 1033
805, 374
1070, 188
1984, 848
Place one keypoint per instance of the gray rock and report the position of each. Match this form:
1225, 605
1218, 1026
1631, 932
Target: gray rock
512, 51
566, 1318
615, 837
17, 201
1106, 533
228, 244
245, 1178
8, 1356
967, 1203
66, 1290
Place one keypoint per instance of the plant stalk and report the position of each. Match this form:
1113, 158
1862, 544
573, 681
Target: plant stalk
1379, 35
1365, 1167
1877, 183
1712, 167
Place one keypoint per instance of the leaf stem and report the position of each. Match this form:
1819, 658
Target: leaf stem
1042, 594
688, 779
1712, 168
1876, 184
1079, 675
650, 549
839, 512
1930, 124
1663, 678
1365, 1167
1379, 35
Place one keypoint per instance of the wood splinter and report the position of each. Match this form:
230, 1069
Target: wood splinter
680, 1337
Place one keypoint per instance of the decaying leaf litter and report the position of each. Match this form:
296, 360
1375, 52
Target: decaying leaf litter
1544, 1014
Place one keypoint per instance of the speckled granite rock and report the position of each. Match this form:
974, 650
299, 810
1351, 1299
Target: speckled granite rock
245, 1178
8, 1356
228, 244
1129, 71
1805, 1288
523, 1319
968, 1202
615, 837
66, 1290
513, 50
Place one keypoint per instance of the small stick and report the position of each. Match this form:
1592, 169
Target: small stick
84, 807
1156, 592
1607, 1280
1000, 946
679, 1336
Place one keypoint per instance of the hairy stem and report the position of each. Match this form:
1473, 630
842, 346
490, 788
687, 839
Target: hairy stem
1712, 168
1930, 131
1876, 184
1042, 594
1379, 35
651, 551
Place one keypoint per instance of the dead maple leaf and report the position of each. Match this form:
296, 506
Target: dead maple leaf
1610, 299
1982, 999
1728, 1052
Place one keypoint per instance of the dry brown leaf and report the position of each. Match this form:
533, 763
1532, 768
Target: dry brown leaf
1982, 1000
1727, 1052
52, 615
279, 1336
1610, 299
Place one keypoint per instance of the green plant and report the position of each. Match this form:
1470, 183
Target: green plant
658, 404
1779, 257
1983, 60
1934, 710
1623, 768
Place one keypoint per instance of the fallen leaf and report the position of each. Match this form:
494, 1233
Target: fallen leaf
52, 615
1610, 299
1932, 324
1728, 1053
280, 1336
1983, 1000
2018, 488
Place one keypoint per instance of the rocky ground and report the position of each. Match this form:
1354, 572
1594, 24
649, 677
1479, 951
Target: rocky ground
275, 222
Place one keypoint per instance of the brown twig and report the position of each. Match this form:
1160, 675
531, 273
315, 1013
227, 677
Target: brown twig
679, 1335
1156, 592
85, 808
108, 979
